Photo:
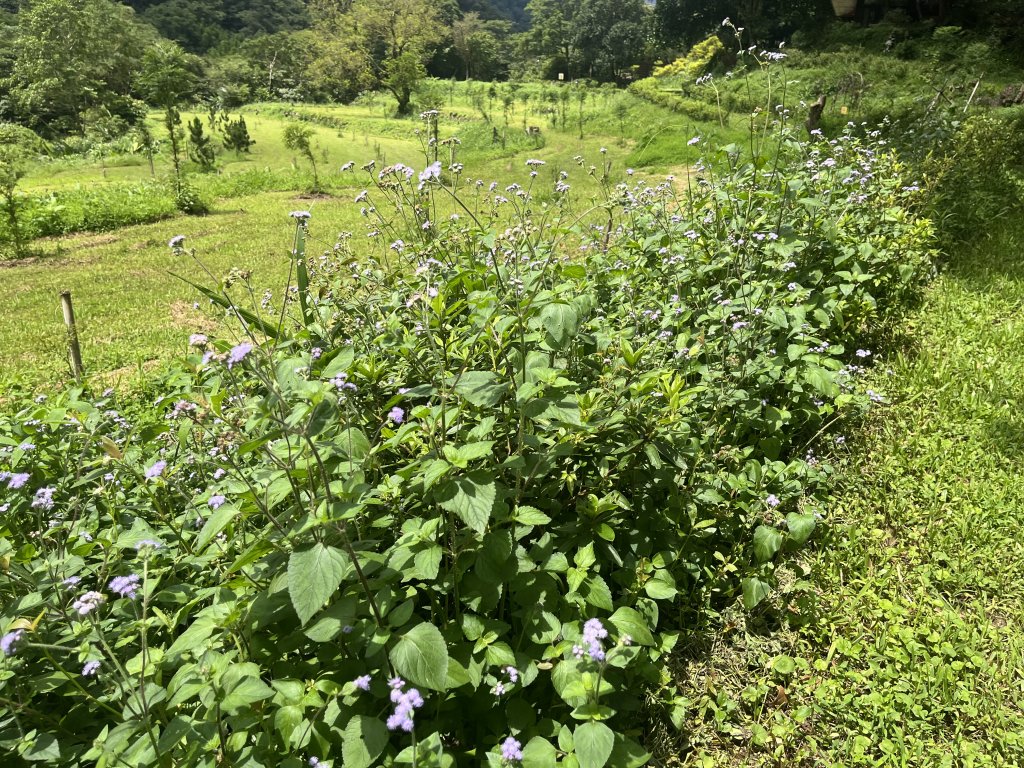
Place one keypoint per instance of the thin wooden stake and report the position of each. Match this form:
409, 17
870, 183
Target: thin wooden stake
69, 321
968, 104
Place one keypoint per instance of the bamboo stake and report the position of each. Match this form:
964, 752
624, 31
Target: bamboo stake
73, 348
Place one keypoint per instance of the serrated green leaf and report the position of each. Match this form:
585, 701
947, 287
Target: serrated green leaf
314, 575
481, 388
628, 621
471, 497
421, 657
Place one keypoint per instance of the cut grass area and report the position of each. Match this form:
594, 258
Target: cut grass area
133, 314
914, 653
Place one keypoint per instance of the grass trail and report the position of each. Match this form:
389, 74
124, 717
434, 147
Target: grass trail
916, 654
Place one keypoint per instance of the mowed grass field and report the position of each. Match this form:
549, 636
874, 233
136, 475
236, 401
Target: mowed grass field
133, 314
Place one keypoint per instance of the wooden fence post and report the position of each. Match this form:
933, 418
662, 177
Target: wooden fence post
73, 348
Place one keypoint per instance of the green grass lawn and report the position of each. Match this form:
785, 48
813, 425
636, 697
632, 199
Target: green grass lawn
913, 654
133, 314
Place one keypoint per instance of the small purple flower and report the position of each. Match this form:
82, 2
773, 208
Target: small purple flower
396, 415
431, 173
176, 242
513, 674
301, 216
215, 502
125, 586
153, 472
197, 340
43, 499
772, 500
238, 353
694, 140
89, 602
406, 703
71, 581
219, 473
148, 544
593, 633
9, 643
17, 480
362, 682
90, 668
511, 750
26, 446
315, 353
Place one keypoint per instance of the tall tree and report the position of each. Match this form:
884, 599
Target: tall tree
169, 76
476, 43
71, 55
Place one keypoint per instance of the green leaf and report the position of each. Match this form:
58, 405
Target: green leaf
628, 754
481, 388
767, 541
243, 687
661, 586
363, 741
313, 576
539, 753
800, 527
594, 744
784, 665
340, 361
461, 455
754, 591
561, 322
421, 657
628, 621
214, 524
45, 748
471, 497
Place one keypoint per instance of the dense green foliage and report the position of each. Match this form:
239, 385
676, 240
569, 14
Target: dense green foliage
508, 457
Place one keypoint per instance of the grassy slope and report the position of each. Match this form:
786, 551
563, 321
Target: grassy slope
132, 313
915, 656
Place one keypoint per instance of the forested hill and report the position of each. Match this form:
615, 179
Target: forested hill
202, 25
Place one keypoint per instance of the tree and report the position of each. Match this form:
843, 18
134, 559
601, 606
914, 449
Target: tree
168, 77
297, 137
200, 147
72, 55
476, 43
383, 42
552, 31
11, 172
236, 136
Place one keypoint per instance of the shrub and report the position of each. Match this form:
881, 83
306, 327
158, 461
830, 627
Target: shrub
500, 467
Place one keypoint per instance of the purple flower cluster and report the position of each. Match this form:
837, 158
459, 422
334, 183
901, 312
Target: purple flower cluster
215, 502
511, 750
593, 633
89, 602
406, 703
90, 668
153, 472
362, 682
43, 499
9, 643
238, 353
125, 586
396, 415
17, 480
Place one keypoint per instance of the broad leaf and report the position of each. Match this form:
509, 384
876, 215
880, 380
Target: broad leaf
313, 576
628, 621
363, 741
421, 657
594, 743
470, 497
767, 541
